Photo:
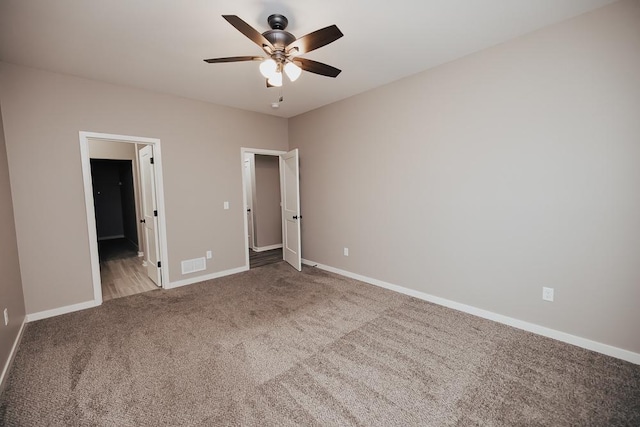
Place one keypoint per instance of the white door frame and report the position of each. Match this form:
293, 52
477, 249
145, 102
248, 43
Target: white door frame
249, 202
243, 151
90, 208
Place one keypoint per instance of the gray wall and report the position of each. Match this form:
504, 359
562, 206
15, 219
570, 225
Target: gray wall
485, 179
266, 210
10, 283
202, 168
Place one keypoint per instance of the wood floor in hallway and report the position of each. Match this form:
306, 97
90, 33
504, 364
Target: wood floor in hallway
121, 270
258, 259
124, 277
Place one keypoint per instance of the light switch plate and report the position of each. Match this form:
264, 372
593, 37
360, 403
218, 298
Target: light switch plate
226, 205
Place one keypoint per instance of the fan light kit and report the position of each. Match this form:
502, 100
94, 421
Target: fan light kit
272, 71
283, 49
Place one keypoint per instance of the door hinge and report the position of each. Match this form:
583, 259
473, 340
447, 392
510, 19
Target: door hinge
155, 213
151, 160
159, 264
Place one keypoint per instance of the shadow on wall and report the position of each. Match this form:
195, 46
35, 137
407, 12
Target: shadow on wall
113, 193
264, 176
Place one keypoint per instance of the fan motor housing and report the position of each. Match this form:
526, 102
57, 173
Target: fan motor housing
279, 38
277, 35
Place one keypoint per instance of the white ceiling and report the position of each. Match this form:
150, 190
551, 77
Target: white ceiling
160, 44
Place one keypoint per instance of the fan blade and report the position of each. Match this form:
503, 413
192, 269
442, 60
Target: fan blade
317, 67
269, 84
315, 40
248, 31
234, 59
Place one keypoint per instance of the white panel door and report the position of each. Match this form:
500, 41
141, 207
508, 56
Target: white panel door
290, 173
149, 213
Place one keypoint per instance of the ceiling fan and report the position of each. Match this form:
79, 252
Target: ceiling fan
283, 49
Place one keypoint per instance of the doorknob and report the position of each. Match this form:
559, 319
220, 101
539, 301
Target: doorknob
142, 221
297, 217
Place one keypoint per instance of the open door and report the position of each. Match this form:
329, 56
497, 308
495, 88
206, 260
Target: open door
150, 214
289, 169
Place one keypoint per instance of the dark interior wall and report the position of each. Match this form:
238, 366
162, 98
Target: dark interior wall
107, 199
114, 199
129, 221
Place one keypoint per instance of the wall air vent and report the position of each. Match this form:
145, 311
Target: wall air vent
193, 265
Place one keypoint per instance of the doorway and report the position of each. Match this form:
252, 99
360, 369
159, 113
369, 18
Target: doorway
264, 219
120, 192
268, 184
116, 200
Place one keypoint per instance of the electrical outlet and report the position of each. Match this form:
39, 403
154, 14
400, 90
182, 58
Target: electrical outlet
346, 251
226, 205
6, 316
547, 294
209, 254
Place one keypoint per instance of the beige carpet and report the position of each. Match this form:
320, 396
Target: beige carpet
274, 347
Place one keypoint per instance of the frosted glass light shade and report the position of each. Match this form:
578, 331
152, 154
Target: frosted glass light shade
276, 79
268, 68
293, 71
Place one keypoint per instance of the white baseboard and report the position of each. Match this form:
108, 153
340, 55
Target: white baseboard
606, 349
61, 310
115, 236
140, 254
12, 355
267, 248
198, 279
